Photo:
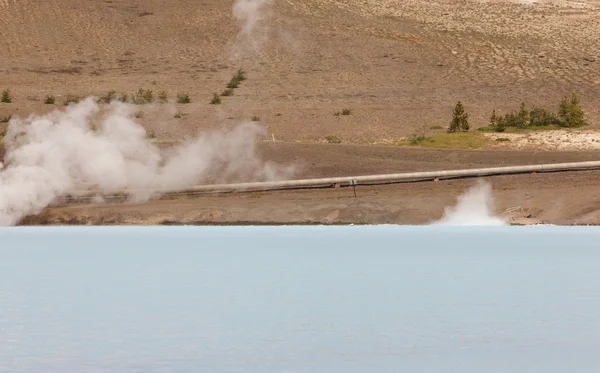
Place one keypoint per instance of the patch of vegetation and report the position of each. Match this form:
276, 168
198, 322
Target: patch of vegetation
518, 130
343, 112
502, 139
233, 84
228, 92
183, 98
72, 99
460, 119
458, 140
436, 128
417, 140
178, 116
5, 119
216, 100
109, 96
236, 79
49, 100
150, 134
255, 118
163, 96
3, 133
333, 139
6, 97
570, 115
124, 97
143, 96
240, 76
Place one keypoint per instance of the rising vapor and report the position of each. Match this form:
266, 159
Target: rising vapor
474, 207
251, 15
83, 146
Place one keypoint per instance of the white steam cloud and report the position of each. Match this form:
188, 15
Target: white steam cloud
61, 153
475, 208
251, 14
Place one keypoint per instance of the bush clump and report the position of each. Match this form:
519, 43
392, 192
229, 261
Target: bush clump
216, 100
228, 92
183, 98
143, 96
236, 79
49, 100
570, 115
162, 96
333, 139
6, 97
343, 112
460, 119
110, 95
72, 99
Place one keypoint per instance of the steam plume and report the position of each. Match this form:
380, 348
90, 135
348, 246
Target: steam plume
64, 151
249, 14
475, 207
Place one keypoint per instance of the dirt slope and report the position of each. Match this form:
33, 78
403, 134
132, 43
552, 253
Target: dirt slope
396, 64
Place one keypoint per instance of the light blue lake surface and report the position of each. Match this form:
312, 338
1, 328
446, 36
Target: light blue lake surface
300, 299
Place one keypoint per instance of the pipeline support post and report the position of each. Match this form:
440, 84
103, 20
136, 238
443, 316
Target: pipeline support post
354, 183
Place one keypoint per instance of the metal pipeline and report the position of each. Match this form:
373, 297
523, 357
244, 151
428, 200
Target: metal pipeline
371, 179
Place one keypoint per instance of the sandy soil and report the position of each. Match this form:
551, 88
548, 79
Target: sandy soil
539, 198
520, 199
398, 65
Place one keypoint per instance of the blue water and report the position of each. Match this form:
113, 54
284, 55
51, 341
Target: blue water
300, 299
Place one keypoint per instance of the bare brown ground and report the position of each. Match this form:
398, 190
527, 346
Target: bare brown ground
557, 198
398, 65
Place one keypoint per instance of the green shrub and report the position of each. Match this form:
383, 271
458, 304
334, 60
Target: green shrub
162, 96
418, 139
6, 97
143, 96
233, 84
541, 118
460, 119
571, 113
333, 139
72, 99
49, 100
522, 117
216, 100
343, 112
240, 76
5, 119
178, 115
496, 124
436, 128
124, 97
502, 139
183, 98
110, 95
227, 92
255, 118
